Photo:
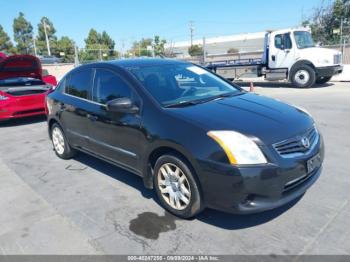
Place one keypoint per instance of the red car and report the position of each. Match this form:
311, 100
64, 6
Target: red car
22, 87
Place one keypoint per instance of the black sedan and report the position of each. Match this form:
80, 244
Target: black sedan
197, 139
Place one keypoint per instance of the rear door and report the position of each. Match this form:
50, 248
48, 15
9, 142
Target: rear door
74, 107
113, 135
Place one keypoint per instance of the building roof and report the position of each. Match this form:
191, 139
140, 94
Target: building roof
219, 39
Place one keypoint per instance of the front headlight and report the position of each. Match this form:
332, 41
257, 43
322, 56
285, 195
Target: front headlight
239, 149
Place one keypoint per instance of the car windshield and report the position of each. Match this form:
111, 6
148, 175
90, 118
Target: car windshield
303, 39
180, 84
21, 81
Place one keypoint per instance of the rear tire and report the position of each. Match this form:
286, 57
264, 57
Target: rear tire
60, 143
176, 187
303, 76
323, 80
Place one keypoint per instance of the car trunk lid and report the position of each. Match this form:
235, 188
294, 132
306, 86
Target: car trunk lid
20, 66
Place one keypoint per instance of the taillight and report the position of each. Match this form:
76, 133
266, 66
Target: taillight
3, 97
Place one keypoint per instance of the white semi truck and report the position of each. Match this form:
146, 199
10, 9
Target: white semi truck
290, 54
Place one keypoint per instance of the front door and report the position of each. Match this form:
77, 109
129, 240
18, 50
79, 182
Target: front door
115, 136
281, 51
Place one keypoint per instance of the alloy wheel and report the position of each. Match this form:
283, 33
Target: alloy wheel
58, 140
174, 186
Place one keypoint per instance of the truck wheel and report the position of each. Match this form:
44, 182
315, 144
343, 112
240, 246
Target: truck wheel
323, 80
303, 76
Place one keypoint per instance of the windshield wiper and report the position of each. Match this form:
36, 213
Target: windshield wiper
201, 101
186, 103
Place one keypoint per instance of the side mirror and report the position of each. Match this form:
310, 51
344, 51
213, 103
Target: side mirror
122, 105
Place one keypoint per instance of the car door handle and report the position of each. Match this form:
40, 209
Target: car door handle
91, 117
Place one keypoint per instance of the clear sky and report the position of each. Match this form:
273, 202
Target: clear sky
130, 20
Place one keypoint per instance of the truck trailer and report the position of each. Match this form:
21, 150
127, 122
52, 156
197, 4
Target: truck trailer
291, 55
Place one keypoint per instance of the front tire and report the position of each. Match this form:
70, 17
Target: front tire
177, 187
303, 76
323, 80
60, 144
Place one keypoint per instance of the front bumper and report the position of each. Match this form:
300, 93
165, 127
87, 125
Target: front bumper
255, 189
329, 71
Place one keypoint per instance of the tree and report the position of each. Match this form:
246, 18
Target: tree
5, 42
145, 46
140, 48
98, 46
108, 41
93, 38
158, 46
195, 50
23, 34
41, 38
65, 45
326, 21
232, 51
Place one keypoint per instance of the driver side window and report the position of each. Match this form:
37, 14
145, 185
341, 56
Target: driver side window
279, 41
109, 86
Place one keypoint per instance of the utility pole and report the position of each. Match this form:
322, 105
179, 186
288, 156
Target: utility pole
341, 36
191, 31
100, 52
76, 57
34, 44
204, 51
123, 46
47, 38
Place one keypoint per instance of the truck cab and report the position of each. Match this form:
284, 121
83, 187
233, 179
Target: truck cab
292, 54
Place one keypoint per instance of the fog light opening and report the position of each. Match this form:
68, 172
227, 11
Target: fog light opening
249, 200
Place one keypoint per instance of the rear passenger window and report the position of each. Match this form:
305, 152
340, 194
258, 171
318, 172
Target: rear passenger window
109, 86
79, 83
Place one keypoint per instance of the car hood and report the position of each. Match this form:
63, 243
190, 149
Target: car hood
257, 116
20, 66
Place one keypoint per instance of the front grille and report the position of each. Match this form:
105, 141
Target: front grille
337, 59
295, 146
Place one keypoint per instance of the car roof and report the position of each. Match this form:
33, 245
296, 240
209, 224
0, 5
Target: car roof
140, 62
134, 62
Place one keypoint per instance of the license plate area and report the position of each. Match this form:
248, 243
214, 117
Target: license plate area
313, 163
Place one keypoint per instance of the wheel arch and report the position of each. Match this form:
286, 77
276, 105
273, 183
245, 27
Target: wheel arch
164, 149
298, 64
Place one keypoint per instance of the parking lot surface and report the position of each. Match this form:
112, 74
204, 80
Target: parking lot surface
86, 206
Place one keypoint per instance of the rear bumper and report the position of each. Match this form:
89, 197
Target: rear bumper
254, 189
12, 108
329, 71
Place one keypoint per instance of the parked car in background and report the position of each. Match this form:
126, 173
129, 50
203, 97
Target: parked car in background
22, 88
49, 59
49, 79
2, 56
196, 138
